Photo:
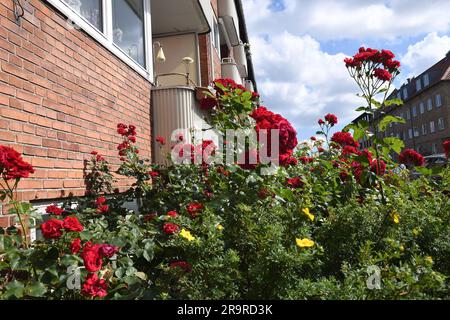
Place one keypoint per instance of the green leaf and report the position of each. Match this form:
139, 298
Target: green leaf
395, 144
388, 120
14, 289
392, 102
148, 251
36, 290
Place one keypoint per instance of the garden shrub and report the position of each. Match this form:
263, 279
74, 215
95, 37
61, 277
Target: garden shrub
317, 228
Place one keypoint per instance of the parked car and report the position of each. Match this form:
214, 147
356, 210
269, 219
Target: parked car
436, 160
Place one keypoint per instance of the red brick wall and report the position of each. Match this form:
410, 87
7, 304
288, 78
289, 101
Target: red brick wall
61, 96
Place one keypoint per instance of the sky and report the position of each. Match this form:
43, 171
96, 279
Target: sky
298, 48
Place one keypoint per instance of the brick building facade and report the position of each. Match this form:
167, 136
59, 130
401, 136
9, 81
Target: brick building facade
63, 89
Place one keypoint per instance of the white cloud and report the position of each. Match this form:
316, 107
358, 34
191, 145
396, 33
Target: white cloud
351, 19
425, 53
302, 82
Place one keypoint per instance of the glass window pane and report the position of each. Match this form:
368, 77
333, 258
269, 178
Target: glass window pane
128, 28
91, 10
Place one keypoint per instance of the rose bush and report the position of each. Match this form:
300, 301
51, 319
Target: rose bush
312, 230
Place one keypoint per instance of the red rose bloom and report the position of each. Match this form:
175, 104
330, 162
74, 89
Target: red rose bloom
12, 165
295, 183
75, 246
94, 287
410, 157
306, 160
132, 139
344, 139
185, 266
52, 229
321, 122
208, 103
446, 146
108, 250
172, 214
52, 209
92, 257
161, 140
102, 209
170, 228
382, 74
72, 224
122, 129
331, 119
287, 160
100, 201
194, 208
374, 167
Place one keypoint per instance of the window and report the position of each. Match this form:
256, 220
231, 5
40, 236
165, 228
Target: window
441, 125
434, 148
424, 129
416, 132
418, 84
121, 26
410, 133
430, 104
128, 28
402, 115
405, 93
438, 101
422, 108
414, 111
432, 128
215, 35
426, 80
408, 114
399, 95
91, 10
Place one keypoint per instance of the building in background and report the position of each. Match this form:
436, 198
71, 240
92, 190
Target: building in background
70, 70
425, 109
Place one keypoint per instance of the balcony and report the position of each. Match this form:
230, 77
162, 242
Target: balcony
229, 16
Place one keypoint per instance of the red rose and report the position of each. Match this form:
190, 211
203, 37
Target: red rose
208, 103
313, 139
153, 174
194, 208
100, 201
75, 246
287, 160
122, 129
132, 139
52, 229
12, 165
306, 160
382, 74
94, 153
344, 139
172, 214
170, 228
52, 209
321, 122
185, 266
411, 158
374, 167
446, 146
94, 287
331, 119
108, 250
102, 209
92, 257
72, 224
295, 183
161, 140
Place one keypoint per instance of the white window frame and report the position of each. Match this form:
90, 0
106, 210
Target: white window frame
422, 108
416, 132
432, 127
438, 101
430, 104
426, 80
105, 38
418, 85
441, 124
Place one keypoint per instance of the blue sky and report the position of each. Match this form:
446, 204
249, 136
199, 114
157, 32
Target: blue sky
298, 47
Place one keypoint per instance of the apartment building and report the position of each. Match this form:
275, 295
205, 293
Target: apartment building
426, 111
70, 70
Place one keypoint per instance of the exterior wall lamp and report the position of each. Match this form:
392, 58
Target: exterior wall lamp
160, 56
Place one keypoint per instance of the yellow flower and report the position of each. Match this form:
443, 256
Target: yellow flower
429, 259
304, 243
187, 235
416, 232
395, 217
402, 248
219, 227
308, 214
